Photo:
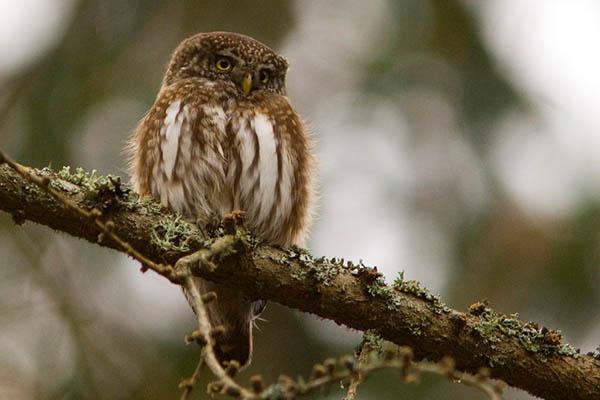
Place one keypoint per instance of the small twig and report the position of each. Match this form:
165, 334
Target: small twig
201, 259
94, 214
188, 384
229, 386
479, 381
348, 367
364, 352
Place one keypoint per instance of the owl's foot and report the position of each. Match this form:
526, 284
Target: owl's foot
235, 214
209, 226
233, 220
205, 230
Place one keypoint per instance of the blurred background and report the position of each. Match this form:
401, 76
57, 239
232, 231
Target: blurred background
459, 141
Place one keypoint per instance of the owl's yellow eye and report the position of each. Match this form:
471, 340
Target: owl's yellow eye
224, 64
264, 76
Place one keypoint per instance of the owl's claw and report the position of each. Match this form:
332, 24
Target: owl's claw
203, 227
233, 220
209, 227
235, 214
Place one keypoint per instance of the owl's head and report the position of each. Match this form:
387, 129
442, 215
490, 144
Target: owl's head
237, 60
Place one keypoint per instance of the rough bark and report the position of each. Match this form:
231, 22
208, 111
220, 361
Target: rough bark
523, 355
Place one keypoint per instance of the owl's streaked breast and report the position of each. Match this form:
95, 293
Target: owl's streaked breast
209, 176
190, 176
261, 175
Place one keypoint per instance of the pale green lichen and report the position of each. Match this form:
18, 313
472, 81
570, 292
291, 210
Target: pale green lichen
172, 233
496, 361
143, 205
107, 192
414, 288
97, 189
378, 288
300, 274
566, 349
372, 341
492, 326
596, 354
326, 270
322, 269
415, 329
102, 190
274, 392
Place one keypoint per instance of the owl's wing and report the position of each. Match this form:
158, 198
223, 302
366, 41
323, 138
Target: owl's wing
176, 150
271, 167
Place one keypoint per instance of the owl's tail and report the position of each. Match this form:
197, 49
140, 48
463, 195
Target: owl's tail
236, 344
235, 314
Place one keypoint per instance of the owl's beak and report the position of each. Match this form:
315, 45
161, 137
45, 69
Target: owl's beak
247, 83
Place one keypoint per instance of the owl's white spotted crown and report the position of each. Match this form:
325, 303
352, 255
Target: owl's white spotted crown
241, 46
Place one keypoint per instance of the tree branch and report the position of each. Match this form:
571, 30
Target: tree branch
522, 354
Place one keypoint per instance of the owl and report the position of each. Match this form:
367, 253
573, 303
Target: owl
222, 136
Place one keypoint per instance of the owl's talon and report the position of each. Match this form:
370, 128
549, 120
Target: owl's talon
235, 214
232, 221
204, 231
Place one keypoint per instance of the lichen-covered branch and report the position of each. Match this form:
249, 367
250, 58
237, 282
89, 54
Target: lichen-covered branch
524, 355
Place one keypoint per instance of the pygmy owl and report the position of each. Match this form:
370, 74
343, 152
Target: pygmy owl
223, 136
